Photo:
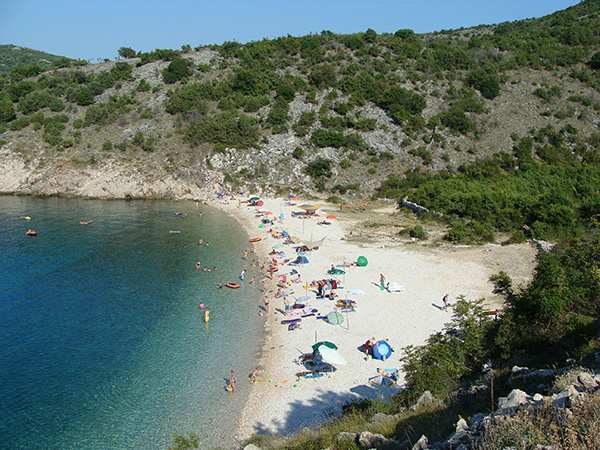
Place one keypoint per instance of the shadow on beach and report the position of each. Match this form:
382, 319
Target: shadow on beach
324, 406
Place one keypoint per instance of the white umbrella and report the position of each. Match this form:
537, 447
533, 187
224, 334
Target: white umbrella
331, 356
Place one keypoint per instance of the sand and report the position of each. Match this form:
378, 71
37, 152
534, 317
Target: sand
281, 403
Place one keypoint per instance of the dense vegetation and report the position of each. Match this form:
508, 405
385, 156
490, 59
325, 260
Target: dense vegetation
546, 189
12, 57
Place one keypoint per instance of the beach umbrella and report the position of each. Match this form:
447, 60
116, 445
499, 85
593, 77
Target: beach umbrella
362, 261
259, 203
254, 198
268, 213
335, 318
331, 356
324, 343
382, 350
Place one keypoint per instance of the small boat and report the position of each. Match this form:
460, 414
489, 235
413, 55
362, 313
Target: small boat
233, 285
25, 217
174, 232
31, 232
85, 222
255, 239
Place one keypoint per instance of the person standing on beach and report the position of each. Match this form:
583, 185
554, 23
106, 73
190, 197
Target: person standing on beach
445, 301
381, 282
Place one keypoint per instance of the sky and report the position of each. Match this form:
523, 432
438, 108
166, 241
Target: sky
92, 29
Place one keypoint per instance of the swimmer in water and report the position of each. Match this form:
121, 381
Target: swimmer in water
198, 266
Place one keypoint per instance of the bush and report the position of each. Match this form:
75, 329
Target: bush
82, 95
471, 232
36, 100
298, 153
107, 112
127, 52
424, 154
417, 232
189, 99
595, 61
319, 168
330, 138
143, 86
178, 69
278, 116
486, 82
229, 128
323, 76
7, 110
456, 120
107, 146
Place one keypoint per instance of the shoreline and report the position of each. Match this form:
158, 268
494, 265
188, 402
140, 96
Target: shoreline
281, 403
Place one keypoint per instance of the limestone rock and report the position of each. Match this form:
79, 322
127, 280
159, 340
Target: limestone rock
371, 440
251, 447
515, 398
421, 444
425, 399
587, 381
382, 418
346, 437
461, 425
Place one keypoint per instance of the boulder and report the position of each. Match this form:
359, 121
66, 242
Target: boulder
567, 398
461, 425
515, 398
346, 438
251, 447
367, 439
426, 399
587, 381
421, 444
538, 398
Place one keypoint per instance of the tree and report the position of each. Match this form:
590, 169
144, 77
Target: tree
127, 52
486, 82
178, 69
595, 61
7, 110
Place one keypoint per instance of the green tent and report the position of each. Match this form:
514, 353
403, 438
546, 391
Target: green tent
335, 318
362, 261
325, 343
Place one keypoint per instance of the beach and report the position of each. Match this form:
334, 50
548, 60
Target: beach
281, 402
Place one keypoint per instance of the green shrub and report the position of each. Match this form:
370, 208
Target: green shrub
417, 232
595, 61
547, 94
107, 146
143, 86
456, 120
298, 153
319, 168
36, 100
19, 123
278, 116
232, 129
189, 99
7, 110
323, 76
177, 70
127, 52
471, 232
425, 155
107, 112
486, 82
82, 95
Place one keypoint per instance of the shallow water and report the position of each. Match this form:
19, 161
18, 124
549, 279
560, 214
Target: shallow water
102, 342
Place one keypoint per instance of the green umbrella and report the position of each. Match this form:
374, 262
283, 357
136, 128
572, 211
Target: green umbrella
362, 261
335, 318
324, 343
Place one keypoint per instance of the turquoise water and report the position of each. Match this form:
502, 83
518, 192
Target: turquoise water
102, 342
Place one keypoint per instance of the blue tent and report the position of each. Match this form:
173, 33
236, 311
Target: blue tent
382, 350
301, 259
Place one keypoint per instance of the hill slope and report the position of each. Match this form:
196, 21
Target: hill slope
12, 56
328, 112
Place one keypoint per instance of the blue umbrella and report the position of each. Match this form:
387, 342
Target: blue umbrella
382, 350
301, 260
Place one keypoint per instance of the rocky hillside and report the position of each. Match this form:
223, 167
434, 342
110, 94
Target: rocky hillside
327, 112
13, 56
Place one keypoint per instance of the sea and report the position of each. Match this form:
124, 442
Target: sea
102, 340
